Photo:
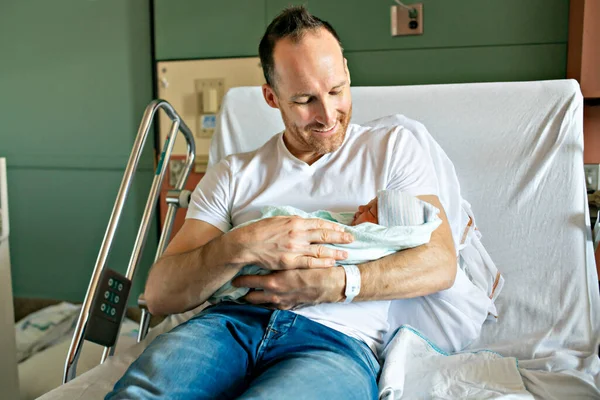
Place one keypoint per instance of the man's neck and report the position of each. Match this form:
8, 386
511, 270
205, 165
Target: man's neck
308, 157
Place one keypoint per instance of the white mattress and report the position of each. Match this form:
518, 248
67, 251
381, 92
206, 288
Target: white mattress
518, 153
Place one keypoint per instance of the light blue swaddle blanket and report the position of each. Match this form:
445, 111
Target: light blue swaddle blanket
404, 222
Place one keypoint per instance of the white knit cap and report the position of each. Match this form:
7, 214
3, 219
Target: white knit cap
395, 208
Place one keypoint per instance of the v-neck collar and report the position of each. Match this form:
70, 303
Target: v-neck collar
302, 164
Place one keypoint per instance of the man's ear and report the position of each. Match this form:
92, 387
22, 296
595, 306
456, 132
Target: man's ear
347, 70
270, 96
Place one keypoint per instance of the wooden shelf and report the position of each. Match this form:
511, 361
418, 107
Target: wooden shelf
583, 58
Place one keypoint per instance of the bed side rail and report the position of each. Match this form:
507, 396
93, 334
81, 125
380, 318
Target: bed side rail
104, 283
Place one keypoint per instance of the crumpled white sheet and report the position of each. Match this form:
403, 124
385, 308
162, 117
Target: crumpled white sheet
415, 368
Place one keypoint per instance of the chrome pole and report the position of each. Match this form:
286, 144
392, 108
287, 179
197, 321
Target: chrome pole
175, 200
146, 217
143, 131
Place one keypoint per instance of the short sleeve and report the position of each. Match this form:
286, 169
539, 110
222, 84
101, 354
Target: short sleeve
410, 167
210, 201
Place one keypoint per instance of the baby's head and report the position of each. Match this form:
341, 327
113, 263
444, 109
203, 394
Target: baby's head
394, 208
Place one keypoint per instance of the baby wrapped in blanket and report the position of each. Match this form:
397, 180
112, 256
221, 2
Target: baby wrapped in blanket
391, 222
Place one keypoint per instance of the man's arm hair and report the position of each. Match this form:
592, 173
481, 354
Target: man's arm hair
409, 273
197, 262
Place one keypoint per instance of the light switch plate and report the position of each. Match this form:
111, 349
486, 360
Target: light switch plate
592, 177
407, 20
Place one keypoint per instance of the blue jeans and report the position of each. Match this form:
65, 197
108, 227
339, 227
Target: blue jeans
247, 352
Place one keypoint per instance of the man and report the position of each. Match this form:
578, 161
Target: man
311, 329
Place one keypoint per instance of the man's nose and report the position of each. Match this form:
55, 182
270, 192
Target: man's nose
326, 115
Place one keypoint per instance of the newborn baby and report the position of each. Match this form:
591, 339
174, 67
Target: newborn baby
390, 222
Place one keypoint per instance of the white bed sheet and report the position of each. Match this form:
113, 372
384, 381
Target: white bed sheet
518, 153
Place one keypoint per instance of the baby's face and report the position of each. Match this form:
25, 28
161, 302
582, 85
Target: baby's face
366, 213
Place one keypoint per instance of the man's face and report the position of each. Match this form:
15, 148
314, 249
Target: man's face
312, 91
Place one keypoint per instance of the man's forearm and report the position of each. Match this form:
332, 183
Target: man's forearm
409, 273
180, 282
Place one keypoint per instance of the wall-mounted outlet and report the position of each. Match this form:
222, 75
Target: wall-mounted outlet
592, 177
407, 20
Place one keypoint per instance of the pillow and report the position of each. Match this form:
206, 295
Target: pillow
44, 328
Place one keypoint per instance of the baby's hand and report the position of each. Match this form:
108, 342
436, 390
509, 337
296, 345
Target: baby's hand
366, 213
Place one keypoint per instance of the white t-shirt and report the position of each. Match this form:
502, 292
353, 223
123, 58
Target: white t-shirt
234, 191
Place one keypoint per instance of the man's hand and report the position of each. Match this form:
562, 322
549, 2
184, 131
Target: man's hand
289, 289
303, 268
409, 273
287, 243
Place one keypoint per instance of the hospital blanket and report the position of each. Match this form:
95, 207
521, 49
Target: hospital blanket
371, 241
415, 368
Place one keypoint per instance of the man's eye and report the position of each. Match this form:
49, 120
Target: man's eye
301, 102
335, 92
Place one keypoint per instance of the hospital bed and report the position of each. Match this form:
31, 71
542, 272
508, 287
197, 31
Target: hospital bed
518, 152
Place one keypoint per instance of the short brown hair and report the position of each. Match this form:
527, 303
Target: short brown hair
292, 22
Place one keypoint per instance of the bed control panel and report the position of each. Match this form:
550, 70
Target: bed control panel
108, 307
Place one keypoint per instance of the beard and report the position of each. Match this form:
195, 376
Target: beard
308, 141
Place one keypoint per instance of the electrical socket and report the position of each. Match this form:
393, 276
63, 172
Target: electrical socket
407, 20
592, 177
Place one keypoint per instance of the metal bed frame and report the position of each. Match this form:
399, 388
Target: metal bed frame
176, 198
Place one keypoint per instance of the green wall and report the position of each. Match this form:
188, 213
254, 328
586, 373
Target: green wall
75, 77
463, 41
